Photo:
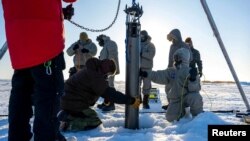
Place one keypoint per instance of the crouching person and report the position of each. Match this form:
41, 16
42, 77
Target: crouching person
184, 86
83, 89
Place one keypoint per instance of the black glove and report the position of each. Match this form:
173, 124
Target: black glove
76, 47
72, 71
193, 73
200, 73
84, 50
143, 73
68, 12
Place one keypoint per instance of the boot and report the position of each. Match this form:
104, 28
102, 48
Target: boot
63, 126
60, 137
109, 107
105, 102
145, 102
62, 115
165, 107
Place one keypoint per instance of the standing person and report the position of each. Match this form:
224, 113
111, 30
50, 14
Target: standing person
175, 37
109, 51
83, 49
83, 89
184, 84
146, 64
34, 31
196, 56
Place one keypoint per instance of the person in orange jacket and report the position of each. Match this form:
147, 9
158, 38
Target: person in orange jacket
35, 38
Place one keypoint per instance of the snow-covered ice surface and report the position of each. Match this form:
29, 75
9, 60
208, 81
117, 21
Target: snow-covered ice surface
153, 126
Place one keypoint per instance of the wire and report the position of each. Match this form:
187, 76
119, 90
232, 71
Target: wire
182, 94
211, 104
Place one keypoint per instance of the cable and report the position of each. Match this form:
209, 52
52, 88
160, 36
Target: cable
182, 94
99, 30
211, 104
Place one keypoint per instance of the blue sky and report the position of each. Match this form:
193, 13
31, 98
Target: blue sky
159, 18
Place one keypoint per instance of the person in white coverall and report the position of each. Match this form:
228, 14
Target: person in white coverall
146, 64
184, 84
109, 51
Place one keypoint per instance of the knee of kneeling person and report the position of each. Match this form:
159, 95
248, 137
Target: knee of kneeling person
171, 118
196, 111
193, 97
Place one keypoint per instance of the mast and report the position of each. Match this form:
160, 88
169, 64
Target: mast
223, 49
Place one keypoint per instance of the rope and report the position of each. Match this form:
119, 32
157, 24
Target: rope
144, 112
211, 104
99, 30
182, 94
159, 112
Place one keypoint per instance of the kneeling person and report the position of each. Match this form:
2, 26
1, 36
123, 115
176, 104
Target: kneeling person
83, 89
183, 83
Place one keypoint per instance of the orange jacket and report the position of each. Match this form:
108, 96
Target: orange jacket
34, 30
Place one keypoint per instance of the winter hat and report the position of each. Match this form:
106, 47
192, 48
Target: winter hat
144, 36
84, 36
100, 37
108, 67
183, 55
170, 37
175, 34
144, 33
188, 40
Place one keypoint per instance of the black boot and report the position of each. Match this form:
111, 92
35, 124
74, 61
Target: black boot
165, 107
105, 103
145, 102
109, 107
60, 137
63, 118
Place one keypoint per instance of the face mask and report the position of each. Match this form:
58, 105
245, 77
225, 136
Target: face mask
177, 64
190, 44
101, 42
174, 41
177, 61
143, 38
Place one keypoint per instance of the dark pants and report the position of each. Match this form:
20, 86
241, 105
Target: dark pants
33, 86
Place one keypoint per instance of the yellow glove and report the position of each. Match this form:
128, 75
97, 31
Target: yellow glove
137, 102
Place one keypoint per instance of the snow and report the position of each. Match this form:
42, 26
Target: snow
152, 123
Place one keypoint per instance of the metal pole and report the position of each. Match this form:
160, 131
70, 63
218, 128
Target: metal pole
217, 35
133, 29
3, 50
